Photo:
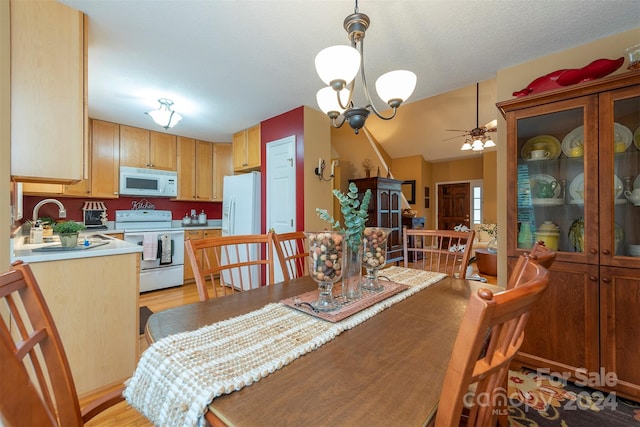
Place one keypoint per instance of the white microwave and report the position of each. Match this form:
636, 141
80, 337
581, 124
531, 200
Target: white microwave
148, 182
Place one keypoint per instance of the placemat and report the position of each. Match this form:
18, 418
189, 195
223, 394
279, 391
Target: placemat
303, 302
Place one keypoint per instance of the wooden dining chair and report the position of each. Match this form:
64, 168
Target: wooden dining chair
445, 251
37, 386
231, 264
490, 335
292, 253
539, 254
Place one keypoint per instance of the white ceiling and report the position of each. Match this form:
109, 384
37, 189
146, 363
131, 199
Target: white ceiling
229, 64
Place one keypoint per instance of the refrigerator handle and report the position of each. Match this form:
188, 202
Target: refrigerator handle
232, 216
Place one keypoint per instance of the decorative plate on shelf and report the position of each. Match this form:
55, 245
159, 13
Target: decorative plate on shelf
576, 189
636, 138
573, 143
542, 142
621, 133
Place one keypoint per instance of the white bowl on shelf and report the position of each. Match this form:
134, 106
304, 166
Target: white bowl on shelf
634, 250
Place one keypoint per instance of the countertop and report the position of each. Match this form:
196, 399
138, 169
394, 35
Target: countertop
23, 251
20, 250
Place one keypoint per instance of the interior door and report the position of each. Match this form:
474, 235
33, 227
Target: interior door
454, 205
281, 185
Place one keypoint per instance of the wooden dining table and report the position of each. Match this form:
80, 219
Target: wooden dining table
387, 370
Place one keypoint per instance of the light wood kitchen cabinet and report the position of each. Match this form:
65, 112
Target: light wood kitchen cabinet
142, 148
105, 159
588, 318
48, 88
222, 166
101, 344
246, 150
188, 271
103, 172
201, 168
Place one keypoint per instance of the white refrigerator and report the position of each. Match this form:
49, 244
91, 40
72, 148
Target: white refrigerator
241, 215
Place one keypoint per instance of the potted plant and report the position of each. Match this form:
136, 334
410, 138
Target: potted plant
355, 215
68, 232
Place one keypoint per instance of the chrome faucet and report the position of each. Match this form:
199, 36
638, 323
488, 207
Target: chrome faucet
62, 213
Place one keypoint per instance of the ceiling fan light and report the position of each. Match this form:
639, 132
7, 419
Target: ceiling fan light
489, 143
394, 85
477, 145
466, 146
338, 63
327, 99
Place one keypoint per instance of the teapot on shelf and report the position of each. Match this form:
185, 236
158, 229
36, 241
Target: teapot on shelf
633, 196
545, 190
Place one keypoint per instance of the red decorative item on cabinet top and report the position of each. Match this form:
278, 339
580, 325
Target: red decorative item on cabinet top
567, 77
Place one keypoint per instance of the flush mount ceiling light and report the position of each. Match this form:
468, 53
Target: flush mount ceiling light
165, 116
338, 66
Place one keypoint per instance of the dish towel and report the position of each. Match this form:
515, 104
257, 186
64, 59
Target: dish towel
165, 250
149, 246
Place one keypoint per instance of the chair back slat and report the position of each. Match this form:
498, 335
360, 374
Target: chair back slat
33, 350
445, 251
492, 327
292, 254
229, 264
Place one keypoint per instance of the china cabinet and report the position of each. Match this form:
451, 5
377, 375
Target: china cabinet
246, 149
573, 154
385, 210
48, 92
142, 148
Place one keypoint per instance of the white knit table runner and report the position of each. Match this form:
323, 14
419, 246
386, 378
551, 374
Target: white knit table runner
178, 376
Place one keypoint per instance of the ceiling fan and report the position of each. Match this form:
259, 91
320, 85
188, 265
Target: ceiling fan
476, 138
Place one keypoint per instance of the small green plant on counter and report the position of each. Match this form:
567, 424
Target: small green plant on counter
355, 215
68, 227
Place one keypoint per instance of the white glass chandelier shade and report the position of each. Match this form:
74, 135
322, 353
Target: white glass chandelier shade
396, 85
477, 145
328, 101
338, 64
489, 143
466, 146
165, 116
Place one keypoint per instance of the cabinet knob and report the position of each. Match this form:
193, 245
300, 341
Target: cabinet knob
606, 252
593, 278
593, 251
606, 280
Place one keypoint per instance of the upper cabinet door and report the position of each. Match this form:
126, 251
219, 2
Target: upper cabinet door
553, 152
619, 158
162, 151
48, 117
134, 147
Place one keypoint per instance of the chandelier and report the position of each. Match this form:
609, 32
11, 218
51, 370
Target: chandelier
165, 116
338, 66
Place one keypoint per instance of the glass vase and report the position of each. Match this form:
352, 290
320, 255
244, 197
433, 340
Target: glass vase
352, 273
374, 256
326, 266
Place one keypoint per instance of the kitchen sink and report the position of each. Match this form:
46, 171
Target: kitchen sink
80, 247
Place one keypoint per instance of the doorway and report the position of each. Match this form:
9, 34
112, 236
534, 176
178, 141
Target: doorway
454, 205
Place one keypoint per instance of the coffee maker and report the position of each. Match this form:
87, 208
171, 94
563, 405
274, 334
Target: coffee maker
95, 215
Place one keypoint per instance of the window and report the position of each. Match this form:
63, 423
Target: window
476, 202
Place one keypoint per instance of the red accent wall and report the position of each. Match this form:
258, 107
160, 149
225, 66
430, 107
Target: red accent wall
278, 127
74, 207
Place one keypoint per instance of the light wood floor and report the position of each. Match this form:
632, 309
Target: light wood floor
122, 414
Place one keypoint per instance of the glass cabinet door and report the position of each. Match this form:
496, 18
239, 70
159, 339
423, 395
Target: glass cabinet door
620, 177
557, 183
